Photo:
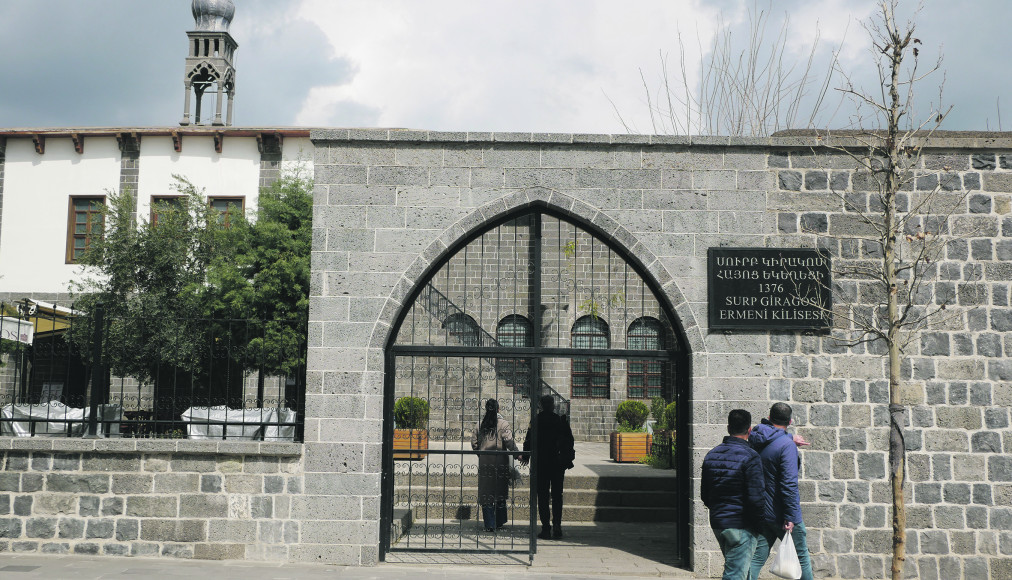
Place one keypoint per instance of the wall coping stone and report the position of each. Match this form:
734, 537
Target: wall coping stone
804, 140
203, 447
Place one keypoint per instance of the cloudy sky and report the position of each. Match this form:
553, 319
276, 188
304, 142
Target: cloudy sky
583, 66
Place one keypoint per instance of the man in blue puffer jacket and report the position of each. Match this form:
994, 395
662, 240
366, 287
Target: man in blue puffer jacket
779, 453
732, 487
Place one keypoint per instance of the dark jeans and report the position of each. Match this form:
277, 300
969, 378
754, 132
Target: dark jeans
737, 546
550, 481
495, 515
768, 535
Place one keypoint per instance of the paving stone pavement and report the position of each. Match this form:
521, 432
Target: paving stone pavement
591, 551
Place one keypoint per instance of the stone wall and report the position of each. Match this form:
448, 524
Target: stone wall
389, 204
206, 500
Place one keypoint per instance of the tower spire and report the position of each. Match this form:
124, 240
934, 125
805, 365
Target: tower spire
209, 64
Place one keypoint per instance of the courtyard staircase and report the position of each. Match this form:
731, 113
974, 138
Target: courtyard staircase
586, 498
596, 490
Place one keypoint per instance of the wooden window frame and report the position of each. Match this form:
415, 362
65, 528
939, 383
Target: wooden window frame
72, 235
153, 216
242, 206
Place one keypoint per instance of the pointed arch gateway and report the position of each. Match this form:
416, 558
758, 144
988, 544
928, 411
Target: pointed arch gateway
558, 275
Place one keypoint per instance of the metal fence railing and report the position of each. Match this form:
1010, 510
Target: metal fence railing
662, 449
70, 373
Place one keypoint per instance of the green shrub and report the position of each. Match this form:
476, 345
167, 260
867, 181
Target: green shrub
669, 416
411, 413
631, 415
657, 412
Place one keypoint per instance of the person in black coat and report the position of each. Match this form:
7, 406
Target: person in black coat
732, 487
555, 455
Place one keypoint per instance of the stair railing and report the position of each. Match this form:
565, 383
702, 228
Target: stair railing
440, 308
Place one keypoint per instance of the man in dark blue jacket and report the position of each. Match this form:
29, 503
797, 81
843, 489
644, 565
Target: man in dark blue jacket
779, 453
732, 488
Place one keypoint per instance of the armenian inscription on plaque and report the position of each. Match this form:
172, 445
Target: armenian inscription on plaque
769, 288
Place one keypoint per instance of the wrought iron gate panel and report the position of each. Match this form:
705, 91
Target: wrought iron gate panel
439, 486
501, 317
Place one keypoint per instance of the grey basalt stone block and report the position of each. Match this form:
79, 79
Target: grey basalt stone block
112, 506
790, 180
849, 566
88, 549
980, 394
935, 344
858, 492
957, 493
22, 505
40, 527
996, 417
934, 542
55, 548
817, 465
71, 528
814, 222
100, 529
816, 180
10, 482
77, 483
982, 161
210, 483
871, 465
173, 530
976, 517
986, 442
262, 507
971, 181
831, 491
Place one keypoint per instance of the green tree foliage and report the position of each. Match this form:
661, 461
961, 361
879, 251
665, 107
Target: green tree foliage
657, 405
266, 277
189, 288
151, 279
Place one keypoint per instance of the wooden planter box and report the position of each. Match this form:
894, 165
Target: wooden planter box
407, 441
630, 447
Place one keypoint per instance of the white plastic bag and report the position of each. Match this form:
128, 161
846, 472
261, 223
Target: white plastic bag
785, 562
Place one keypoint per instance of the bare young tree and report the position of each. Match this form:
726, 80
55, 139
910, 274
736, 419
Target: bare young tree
753, 89
903, 231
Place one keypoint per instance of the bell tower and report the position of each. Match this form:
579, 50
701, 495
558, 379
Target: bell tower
209, 64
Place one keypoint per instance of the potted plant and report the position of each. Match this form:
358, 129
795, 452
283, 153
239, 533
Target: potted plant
630, 443
411, 421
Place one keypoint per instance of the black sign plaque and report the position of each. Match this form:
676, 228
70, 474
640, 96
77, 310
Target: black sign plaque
769, 289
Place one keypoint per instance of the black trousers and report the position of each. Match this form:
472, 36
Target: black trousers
550, 480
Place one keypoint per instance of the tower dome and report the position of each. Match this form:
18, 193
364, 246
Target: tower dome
213, 15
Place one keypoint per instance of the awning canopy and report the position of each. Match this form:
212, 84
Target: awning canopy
45, 318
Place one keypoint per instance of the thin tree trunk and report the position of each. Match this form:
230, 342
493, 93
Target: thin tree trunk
897, 446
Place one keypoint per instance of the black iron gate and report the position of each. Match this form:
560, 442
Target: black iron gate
533, 305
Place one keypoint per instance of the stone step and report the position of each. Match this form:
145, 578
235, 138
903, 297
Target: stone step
574, 497
586, 498
606, 483
518, 511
